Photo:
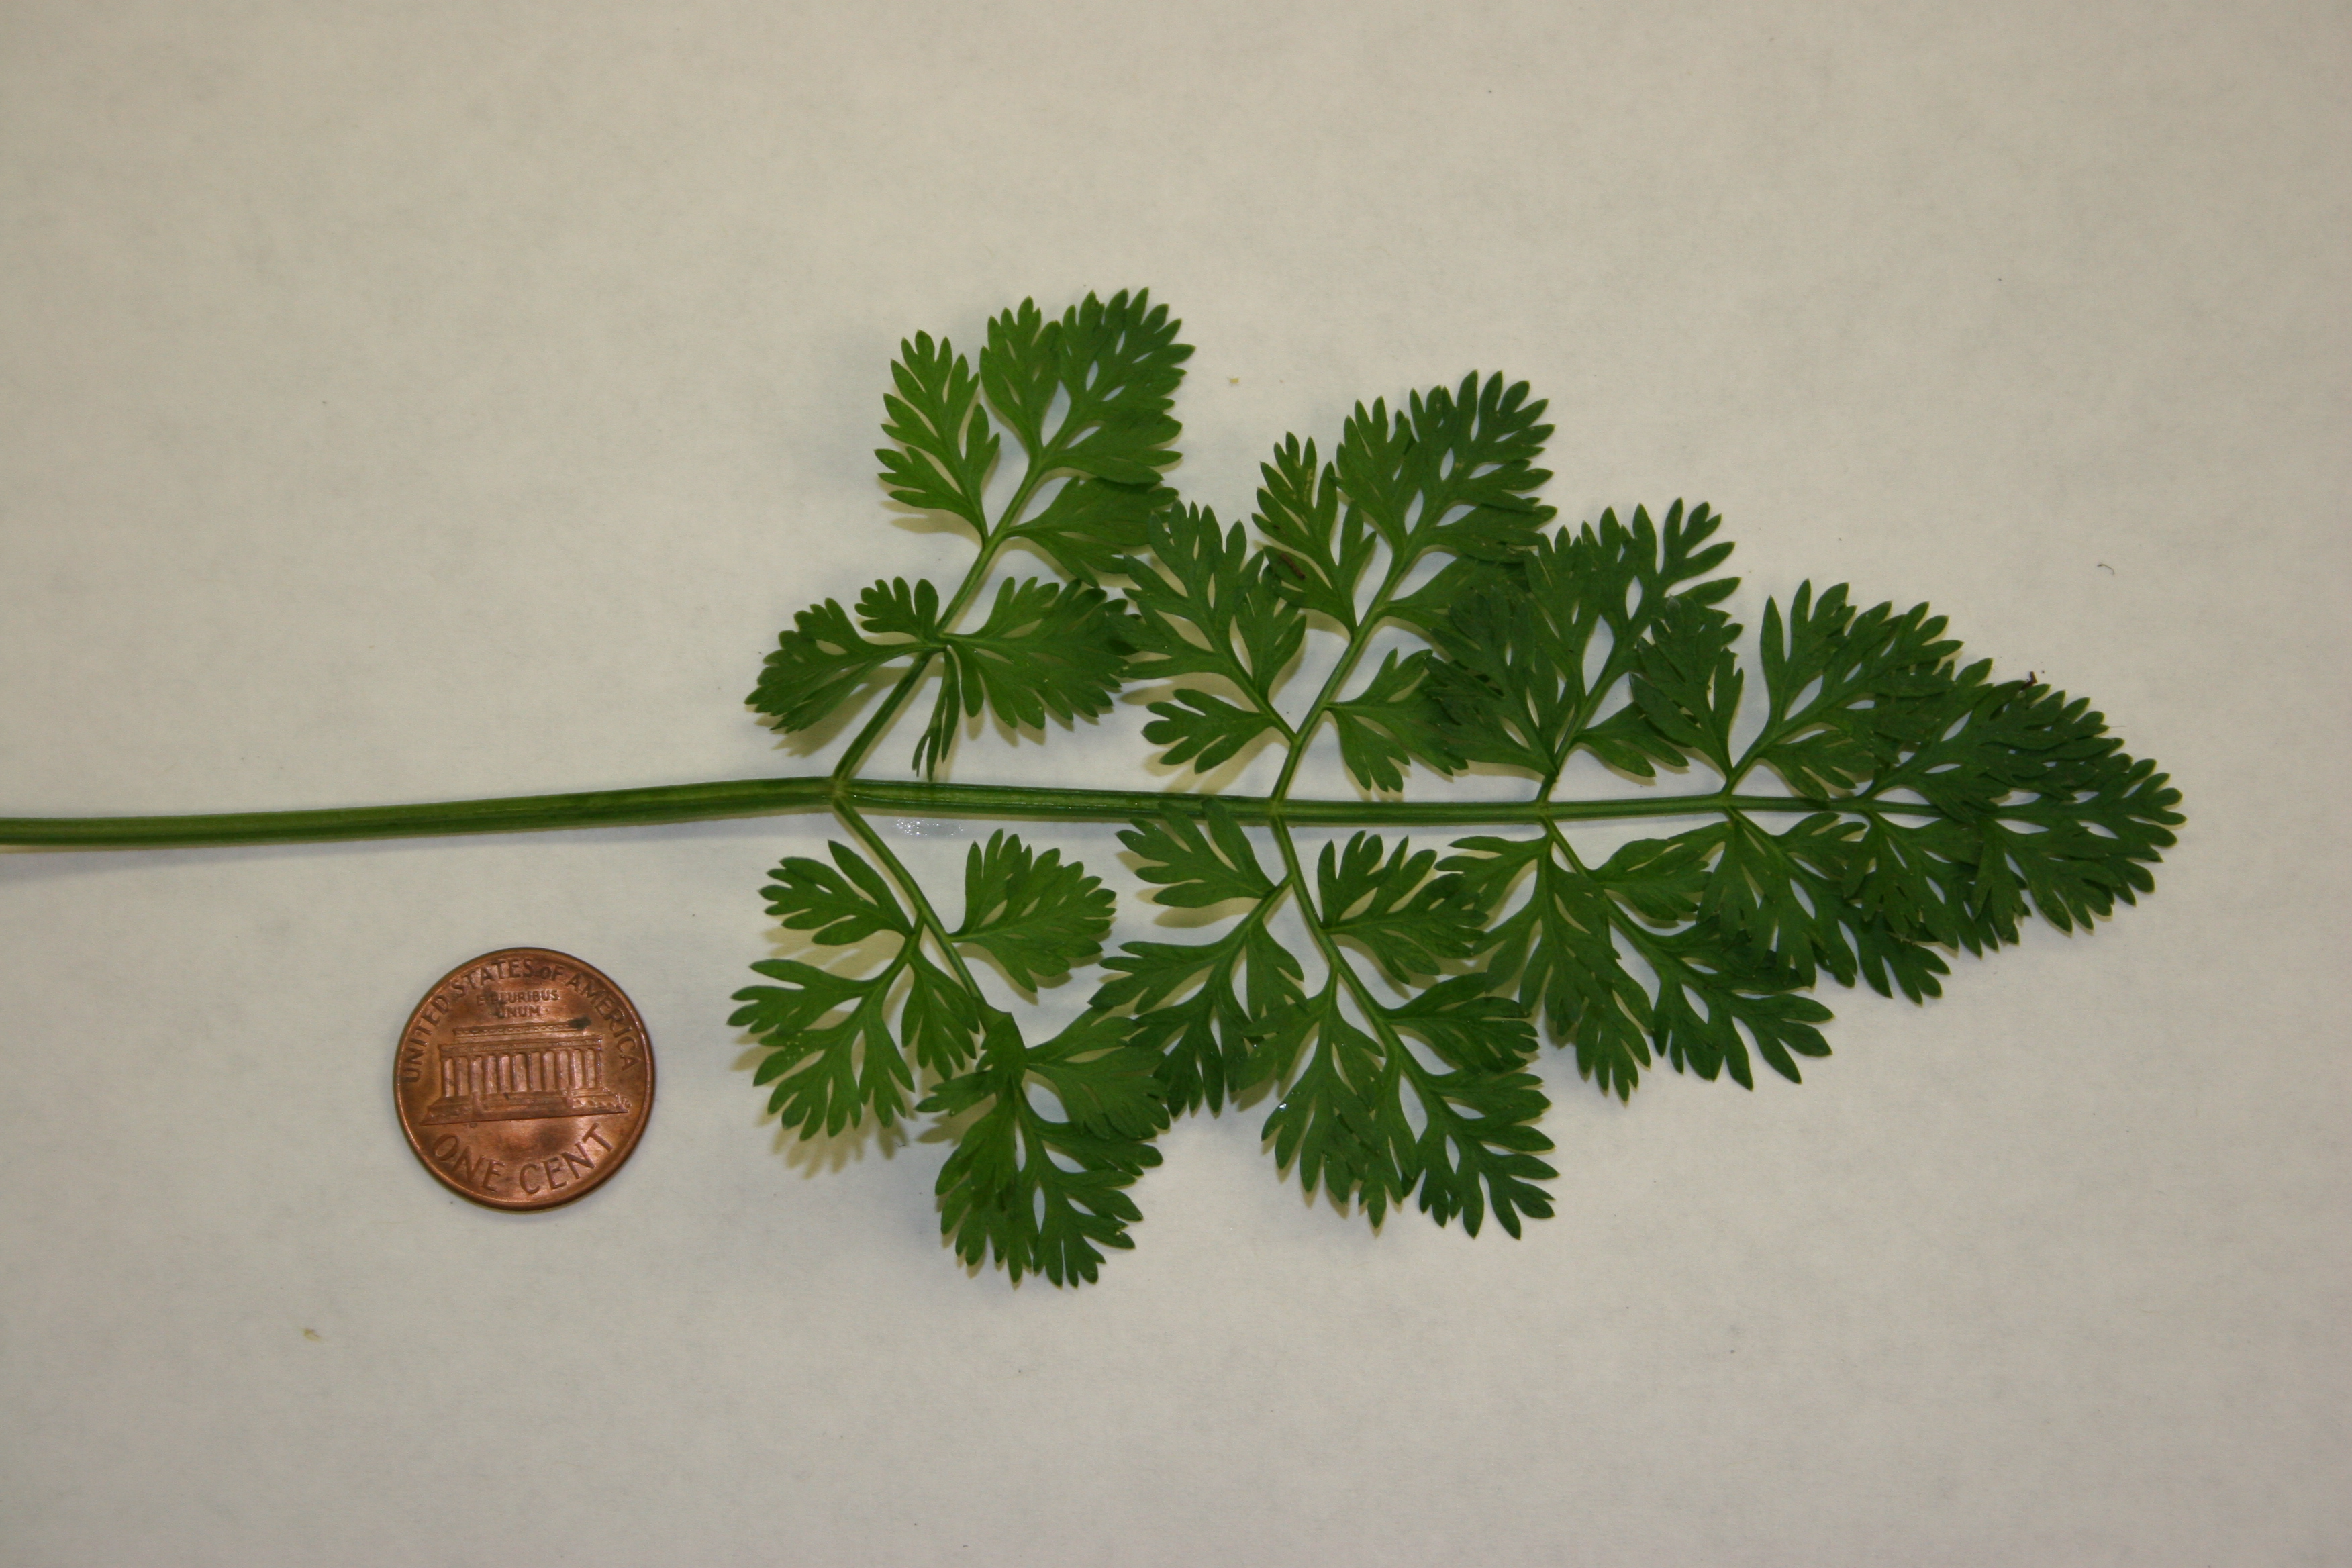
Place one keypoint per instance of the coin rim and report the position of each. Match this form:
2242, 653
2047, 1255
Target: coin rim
578, 1190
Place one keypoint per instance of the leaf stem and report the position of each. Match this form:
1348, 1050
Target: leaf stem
863, 742
927, 916
1395, 1059
770, 796
1359, 637
992, 542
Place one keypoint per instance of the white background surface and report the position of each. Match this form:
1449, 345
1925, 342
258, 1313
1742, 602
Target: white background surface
426, 401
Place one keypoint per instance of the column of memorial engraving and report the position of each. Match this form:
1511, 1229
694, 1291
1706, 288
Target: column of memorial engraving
499, 1072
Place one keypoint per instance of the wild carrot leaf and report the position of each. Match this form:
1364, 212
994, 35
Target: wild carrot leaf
821, 663
1394, 721
1200, 1007
1033, 914
1205, 607
1044, 1194
936, 417
1047, 650
1894, 806
1090, 525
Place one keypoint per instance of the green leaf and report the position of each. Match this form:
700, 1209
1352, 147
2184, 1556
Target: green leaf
1106, 1088
2074, 858
1465, 1023
1342, 1125
2039, 805
1090, 526
1055, 650
1412, 923
1711, 990
1200, 1007
1225, 991
1202, 729
1031, 913
1198, 862
827, 1075
1508, 688
833, 1055
1515, 680
842, 903
936, 417
1020, 367
1120, 367
1316, 552
897, 609
1451, 471
1556, 951
1047, 650
1045, 1195
1688, 688
1394, 720
1778, 891
1928, 810
1118, 364
1204, 608
1477, 1148
1847, 692
1339, 1122
940, 1019
821, 663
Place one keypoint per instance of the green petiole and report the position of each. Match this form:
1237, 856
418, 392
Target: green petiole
767, 797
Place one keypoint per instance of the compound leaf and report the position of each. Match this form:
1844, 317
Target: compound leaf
936, 417
1204, 607
1047, 650
1033, 914
1317, 550
1450, 470
1412, 921
1042, 1194
1927, 809
1395, 720
1091, 525
821, 663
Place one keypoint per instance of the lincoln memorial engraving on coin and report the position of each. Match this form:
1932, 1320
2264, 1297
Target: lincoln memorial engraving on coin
523, 1079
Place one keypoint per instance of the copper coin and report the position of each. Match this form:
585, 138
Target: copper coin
523, 1079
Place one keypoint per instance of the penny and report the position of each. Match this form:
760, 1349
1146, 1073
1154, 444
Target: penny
523, 1079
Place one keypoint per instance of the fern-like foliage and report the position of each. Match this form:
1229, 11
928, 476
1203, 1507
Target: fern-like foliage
1869, 803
